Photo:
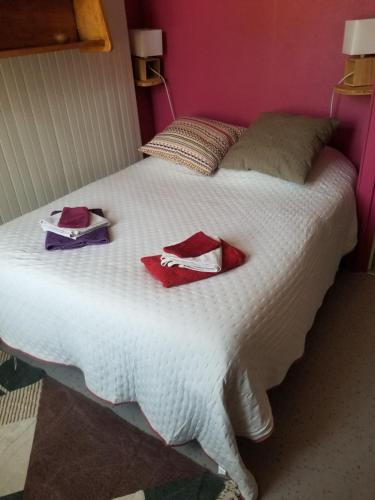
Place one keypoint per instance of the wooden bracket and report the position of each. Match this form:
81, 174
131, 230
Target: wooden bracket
363, 69
144, 76
91, 24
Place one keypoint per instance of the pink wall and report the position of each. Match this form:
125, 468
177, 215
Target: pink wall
135, 18
233, 59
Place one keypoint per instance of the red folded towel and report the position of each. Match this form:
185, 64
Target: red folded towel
74, 217
196, 245
173, 276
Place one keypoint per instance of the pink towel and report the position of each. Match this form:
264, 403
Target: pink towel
74, 217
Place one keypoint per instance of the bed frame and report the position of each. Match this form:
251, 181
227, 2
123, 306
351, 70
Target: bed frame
366, 195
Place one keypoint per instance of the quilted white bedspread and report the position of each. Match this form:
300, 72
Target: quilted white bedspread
197, 358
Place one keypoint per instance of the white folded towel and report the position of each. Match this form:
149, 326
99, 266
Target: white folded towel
209, 262
50, 223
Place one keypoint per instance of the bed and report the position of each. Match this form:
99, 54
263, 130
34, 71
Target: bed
198, 358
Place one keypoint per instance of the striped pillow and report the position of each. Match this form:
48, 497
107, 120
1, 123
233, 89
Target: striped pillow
196, 143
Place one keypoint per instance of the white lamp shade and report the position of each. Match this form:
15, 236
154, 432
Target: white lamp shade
146, 43
359, 37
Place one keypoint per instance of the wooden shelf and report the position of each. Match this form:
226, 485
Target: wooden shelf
38, 26
82, 45
349, 90
148, 83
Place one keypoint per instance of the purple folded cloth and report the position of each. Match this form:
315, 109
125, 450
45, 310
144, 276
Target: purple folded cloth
98, 237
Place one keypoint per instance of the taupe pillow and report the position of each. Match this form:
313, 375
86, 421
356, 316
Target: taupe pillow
281, 145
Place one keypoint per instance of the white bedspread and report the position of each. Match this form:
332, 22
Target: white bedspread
197, 358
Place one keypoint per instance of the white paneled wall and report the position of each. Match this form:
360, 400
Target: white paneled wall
66, 119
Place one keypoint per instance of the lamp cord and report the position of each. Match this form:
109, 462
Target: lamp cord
333, 93
167, 91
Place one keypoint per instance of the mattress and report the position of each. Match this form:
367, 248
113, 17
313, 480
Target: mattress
198, 358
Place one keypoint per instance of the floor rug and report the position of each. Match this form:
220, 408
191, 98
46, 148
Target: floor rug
57, 444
